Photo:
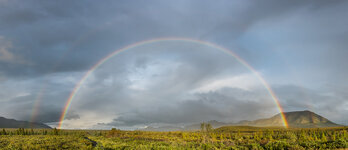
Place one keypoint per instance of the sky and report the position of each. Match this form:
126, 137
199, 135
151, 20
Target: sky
46, 47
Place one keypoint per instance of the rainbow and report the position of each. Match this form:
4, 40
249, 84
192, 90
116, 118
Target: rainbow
134, 45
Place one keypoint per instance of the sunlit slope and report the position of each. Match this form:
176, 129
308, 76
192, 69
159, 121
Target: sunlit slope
302, 119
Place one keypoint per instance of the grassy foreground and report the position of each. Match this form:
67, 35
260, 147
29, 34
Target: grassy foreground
222, 138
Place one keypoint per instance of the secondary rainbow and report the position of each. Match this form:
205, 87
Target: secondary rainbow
225, 50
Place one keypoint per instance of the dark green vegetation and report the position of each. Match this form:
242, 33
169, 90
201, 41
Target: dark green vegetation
232, 137
11, 123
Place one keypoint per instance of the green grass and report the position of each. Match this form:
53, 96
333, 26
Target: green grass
240, 137
43, 142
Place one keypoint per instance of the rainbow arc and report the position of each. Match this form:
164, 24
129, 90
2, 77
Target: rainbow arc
141, 43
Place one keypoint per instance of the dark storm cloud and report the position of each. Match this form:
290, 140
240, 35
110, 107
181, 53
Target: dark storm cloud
211, 106
208, 106
183, 71
38, 99
49, 44
46, 112
69, 36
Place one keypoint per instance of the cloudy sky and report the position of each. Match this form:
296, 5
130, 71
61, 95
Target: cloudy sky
299, 47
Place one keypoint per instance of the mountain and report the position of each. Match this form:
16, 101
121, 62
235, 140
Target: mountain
191, 127
301, 119
295, 119
11, 123
163, 128
213, 123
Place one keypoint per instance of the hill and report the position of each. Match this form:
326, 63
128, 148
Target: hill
11, 123
162, 128
297, 119
190, 127
213, 123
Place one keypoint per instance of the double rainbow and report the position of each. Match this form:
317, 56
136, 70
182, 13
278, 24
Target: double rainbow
141, 43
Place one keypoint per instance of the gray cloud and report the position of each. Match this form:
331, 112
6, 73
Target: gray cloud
58, 36
45, 112
46, 46
325, 101
212, 106
38, 99
207, 106
161, 90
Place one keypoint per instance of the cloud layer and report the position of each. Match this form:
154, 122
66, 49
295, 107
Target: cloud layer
299, 47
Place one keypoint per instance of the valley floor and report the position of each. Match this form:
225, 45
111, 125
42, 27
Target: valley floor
223, 138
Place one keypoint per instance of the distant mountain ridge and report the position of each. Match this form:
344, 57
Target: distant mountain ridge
11, 123
302, 119
214, 124
163, 128
296, 119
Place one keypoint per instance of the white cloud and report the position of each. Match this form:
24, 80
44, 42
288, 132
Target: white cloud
143, 78
245, 82
86, 121
6, 55
22, 94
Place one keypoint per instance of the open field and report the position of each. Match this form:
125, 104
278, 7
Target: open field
222, 138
